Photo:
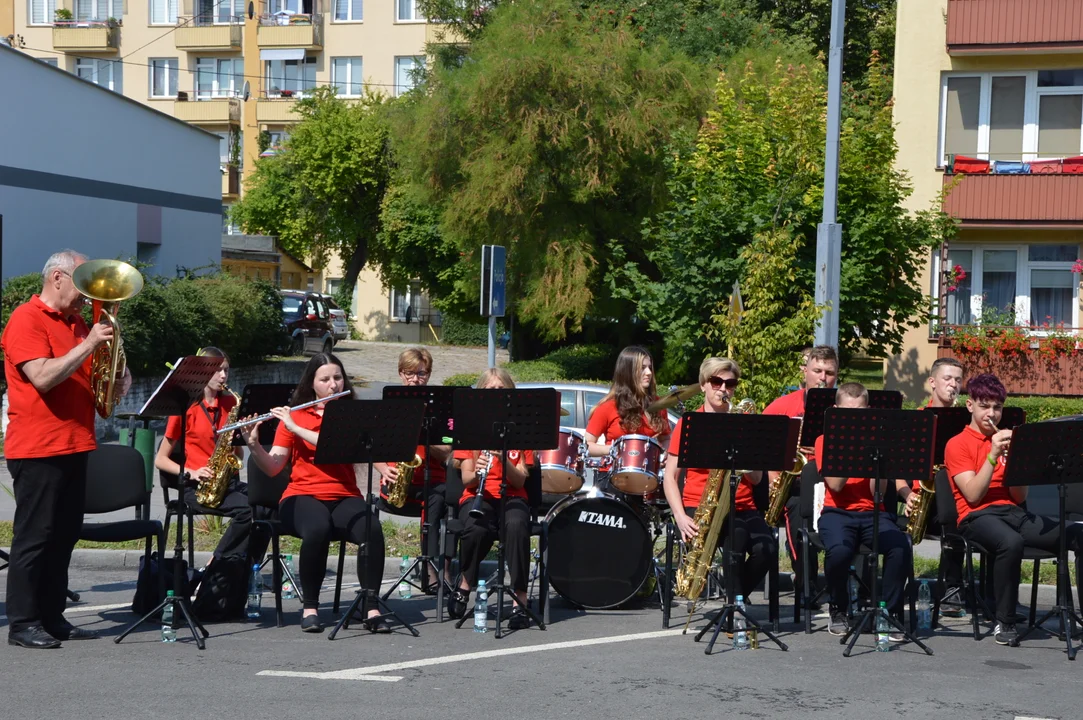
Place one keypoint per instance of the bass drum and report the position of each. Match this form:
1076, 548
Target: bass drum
599, 550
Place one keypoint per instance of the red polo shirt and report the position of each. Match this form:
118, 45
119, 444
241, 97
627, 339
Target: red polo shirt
199, 437
855, 496
323, 482
495, 475
791, 405
61, 421
605, 420
967, 452
695, 479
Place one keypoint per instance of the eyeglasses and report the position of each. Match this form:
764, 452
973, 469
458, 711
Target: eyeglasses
717, 382
419, 374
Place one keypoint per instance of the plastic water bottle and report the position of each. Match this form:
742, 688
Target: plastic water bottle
287, 586
406, 591
481, 609
255, 593
882, 642
168, 633
925, 606
852, 589
740, 635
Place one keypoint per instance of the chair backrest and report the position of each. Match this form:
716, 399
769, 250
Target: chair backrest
945, 502
453, 490
1044, 500
534, 487
263, 490
1073, 501
116, 478
810, 478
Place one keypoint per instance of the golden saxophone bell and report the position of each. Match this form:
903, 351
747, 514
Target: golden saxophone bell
107, 283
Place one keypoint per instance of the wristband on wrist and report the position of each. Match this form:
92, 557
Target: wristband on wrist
992, 460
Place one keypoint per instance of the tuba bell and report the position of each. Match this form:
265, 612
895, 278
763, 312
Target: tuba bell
107, 283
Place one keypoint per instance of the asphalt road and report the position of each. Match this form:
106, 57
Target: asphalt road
601, 664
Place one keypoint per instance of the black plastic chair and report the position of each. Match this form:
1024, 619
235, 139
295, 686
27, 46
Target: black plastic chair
173, 507
117, 479
266, 492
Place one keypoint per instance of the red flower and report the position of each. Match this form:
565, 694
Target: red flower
1078, 267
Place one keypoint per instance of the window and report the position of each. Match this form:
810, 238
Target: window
163, 12
277, 138
228, 226
163, 77
296, 76
406, 11
87, 10
403, 300
106, 73
346, 76
1012, 115
42, 12
407, 72
219, 77
348, 11
1032, 283
50, 61
292, 7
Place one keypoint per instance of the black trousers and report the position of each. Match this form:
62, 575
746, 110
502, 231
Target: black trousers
951, 561
437, 507
1004, 530
480, 533
754, 548
792, 520
313, 521
842, 531
49, 498
239, 538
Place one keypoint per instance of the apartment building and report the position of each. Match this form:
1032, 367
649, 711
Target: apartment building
989, 108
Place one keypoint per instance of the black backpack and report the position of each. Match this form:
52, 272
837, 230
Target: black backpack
156, 577
223, 590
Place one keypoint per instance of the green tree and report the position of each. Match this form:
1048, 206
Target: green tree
322, 192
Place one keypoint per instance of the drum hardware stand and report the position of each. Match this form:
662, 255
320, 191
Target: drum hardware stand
1038, 457
438, 408
368, 431
861, 442
756, 442
525, 419
182, 387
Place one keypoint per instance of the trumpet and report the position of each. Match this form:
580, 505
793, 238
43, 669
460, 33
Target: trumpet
268, 416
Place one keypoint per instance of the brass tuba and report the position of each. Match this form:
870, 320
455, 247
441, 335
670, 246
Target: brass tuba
223, 463
396, 496
107, 283
919, 517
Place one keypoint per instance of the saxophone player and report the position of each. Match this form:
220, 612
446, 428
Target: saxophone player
718, 377
820, 369
203, 419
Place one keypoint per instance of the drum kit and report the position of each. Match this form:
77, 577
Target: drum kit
602, 538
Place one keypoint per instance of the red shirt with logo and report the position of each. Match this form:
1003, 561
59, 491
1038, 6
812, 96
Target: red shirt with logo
60, 421
605, 420
695, 479
791, 405
437, 469
495, 474
323, 482
199, 437
855, 495
967, 452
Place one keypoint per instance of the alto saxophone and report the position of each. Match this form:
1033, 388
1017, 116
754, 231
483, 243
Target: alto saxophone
223, 463
779, 489
396, 496
919, 516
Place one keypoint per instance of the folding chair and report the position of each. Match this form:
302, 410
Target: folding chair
173, 507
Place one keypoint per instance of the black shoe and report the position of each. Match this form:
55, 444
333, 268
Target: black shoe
377, 625
1004, 634
311, 624
34, 636
519, 620
456, 603
70, 632
839, 623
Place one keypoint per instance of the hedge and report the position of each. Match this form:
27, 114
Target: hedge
576, 363
171, 318
457, 331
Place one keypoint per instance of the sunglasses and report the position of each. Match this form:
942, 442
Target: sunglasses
717, 382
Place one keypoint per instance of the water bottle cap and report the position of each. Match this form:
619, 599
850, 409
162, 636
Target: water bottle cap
481, 583
169, 593
883, 604
740, 598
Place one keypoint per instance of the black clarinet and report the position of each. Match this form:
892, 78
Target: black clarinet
476, 510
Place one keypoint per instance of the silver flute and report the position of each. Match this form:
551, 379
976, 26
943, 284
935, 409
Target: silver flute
268, 416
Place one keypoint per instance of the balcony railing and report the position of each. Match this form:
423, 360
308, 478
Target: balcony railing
209, 111
276, 109
208, 32
86, 35
1005, 26
283, 30
1015, 199
1027, 365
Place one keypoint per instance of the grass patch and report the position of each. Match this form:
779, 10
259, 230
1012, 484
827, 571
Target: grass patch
869, 373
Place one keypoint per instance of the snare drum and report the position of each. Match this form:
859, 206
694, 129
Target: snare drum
562, 468
599, 550
637, 464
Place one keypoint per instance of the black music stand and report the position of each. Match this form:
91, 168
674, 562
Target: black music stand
818, 400
435, 425
725, 441
368, 431
258, 399
519, 419
1048, 453
181, 387
882, 445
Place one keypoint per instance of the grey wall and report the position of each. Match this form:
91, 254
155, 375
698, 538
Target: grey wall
79, 161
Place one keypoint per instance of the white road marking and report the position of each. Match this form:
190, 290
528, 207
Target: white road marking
1022, 717
79, 609
369, 673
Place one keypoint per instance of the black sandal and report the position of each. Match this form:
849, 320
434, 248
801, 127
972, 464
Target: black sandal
377, 625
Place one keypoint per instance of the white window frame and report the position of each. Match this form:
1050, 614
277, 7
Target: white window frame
1033, 95
101, 10
51, 61
116, 72
349, 11
360, 82
412, 299
417, 60
49, 7
299, 93
171, 12
172, 69
1023, 266
216, 89
415, 15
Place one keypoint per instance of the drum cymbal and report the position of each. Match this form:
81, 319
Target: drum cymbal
670, 399
564, 413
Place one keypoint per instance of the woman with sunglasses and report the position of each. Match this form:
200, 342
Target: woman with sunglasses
624, 410
718, 378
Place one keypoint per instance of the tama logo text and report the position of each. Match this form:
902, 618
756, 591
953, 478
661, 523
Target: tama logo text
593, 518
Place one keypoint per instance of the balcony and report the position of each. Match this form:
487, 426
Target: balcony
1033, 367
198, 33
989, 27
218, 111
86, 36
276, 110
1005, 200
290, 31
231, 181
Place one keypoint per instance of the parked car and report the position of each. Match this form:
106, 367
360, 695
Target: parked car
338, 318
307, 318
